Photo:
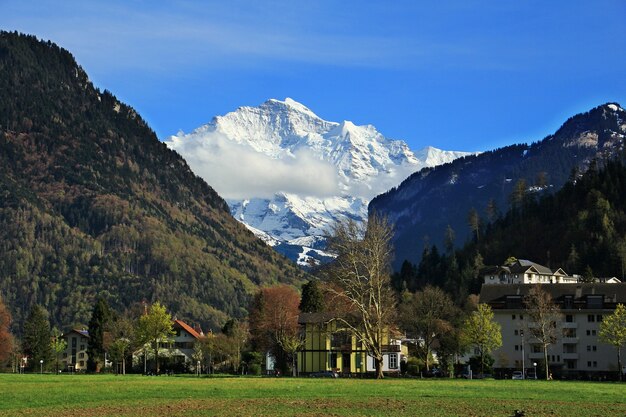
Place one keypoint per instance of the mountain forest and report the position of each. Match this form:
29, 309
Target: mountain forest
581, 228
92, 204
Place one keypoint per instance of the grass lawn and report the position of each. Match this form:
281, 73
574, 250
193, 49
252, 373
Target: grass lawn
131, 395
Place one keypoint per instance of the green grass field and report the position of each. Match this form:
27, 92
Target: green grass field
108, 395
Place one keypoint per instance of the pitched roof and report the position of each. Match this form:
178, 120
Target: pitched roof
305, 318
82, 332
187, 328
523, 265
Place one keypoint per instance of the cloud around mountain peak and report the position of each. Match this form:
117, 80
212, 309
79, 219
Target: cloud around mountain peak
237, 171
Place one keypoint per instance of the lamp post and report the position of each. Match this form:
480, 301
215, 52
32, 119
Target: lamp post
41, 366
521, 332
535, 365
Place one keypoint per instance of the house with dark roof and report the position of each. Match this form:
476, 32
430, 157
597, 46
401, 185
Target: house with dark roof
329, 347
523, 271
578, 351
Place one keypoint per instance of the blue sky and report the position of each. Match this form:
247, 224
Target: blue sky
459, 75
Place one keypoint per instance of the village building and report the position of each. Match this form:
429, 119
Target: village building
328, 347
74, 358
578, 351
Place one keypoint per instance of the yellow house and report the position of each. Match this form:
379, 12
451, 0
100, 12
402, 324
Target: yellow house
328, 347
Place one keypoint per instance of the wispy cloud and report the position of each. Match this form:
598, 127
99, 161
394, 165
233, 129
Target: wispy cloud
137, 35
237, 171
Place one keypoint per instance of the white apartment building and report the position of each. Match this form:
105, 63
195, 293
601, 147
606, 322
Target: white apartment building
578, 352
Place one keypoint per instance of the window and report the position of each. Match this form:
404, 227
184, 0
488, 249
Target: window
73, 342
81, 355
593, 332
595, 301
521, 317
569, 332
599, 318
569, 318
591, 318
512, 316
82, 347
516, 347
516, 332
595, 364
65, 354
588, 332
341, 340
588, 364
594, 348
588, 348
359, 360
568, 302
333, 360
393, 361
82, 363
514, 302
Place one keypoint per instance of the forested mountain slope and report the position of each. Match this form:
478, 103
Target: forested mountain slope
581, 227
428, 201
92, 204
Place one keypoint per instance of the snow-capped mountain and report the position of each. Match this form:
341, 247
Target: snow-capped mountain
288, 174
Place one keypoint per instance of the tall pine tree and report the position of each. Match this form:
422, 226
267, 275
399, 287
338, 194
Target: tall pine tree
312, 298
100, 318
37, 336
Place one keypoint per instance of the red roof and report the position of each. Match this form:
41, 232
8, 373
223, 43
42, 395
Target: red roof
188, 328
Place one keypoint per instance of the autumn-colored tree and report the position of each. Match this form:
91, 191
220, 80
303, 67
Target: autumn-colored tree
6, 339
543, 315
473, 219
362, 282
274, 322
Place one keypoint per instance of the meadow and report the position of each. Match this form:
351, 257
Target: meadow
133, 395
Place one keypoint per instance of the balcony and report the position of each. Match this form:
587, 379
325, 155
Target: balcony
569, 325
569, 356
535, 355
569, 340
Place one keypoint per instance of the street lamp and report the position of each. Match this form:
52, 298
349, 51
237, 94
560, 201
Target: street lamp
41, 365
521, 332
535, 365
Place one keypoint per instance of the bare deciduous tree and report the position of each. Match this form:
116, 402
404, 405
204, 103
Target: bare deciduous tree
362, 283
543, 315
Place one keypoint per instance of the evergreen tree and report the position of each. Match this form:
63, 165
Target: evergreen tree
37, 336
312, 297
98, 325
